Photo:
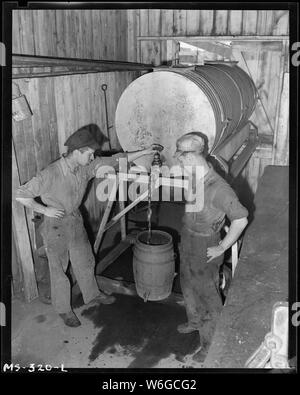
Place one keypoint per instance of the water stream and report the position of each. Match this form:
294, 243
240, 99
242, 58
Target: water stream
149, 211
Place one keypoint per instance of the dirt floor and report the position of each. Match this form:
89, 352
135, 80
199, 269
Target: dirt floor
127, 334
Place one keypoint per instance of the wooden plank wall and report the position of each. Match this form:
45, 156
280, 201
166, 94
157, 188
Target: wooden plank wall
186, 23
86, 34
61, 105
195, 22
268, 68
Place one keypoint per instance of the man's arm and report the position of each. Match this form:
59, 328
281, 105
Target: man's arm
226, 200
235, 230
133, 155
113, 161
39, 208
37, 186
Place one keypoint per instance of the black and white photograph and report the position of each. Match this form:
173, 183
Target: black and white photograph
150, 219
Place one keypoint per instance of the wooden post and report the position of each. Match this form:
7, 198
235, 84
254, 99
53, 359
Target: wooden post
107, 211
123, 221
22, 238
114, 253
281, 138
122, 196
156, 184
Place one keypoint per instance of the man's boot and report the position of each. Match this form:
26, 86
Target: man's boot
70, 319
103, 298
200, 355
186, 328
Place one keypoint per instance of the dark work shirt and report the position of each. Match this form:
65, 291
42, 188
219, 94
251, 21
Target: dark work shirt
61, 187
220, 200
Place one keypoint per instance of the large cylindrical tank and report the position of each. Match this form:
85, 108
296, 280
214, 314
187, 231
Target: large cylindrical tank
215, 99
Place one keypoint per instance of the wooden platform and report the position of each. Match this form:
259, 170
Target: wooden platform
261, 278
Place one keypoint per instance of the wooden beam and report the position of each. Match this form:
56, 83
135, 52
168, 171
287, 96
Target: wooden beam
25, 66
109, 286
215, 38
60, 73
232, 144
249, 46
222, 50
22, 238
102, 227
240, 162
114, 254
281, 138
38, 61
122, 197
144, 195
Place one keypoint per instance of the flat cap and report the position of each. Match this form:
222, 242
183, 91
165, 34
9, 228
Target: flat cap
81, 138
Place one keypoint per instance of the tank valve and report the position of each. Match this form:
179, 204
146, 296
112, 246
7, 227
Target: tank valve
156, 158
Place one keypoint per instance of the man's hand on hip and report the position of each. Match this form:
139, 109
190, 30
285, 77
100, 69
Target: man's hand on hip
214, 252
54, 212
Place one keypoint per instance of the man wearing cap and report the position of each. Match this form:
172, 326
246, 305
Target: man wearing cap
201, 249
61, 187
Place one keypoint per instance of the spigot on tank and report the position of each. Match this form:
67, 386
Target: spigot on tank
156, 158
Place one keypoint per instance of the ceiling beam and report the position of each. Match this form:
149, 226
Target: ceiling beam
74, 66
214, 38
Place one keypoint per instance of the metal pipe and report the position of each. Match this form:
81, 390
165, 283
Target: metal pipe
104, 88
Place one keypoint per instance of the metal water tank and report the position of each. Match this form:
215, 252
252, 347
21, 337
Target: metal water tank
216, 99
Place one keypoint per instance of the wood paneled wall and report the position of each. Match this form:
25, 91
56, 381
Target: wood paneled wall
159, 23
61, 105
85, 34
156, 22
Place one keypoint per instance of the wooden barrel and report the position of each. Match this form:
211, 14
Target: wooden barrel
153, 265
216, 99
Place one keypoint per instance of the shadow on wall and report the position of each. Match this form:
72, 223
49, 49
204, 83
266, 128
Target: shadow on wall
245, 195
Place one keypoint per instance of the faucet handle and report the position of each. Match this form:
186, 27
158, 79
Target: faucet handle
157, 147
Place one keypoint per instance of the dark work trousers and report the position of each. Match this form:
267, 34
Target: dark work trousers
66, 239
200, 282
